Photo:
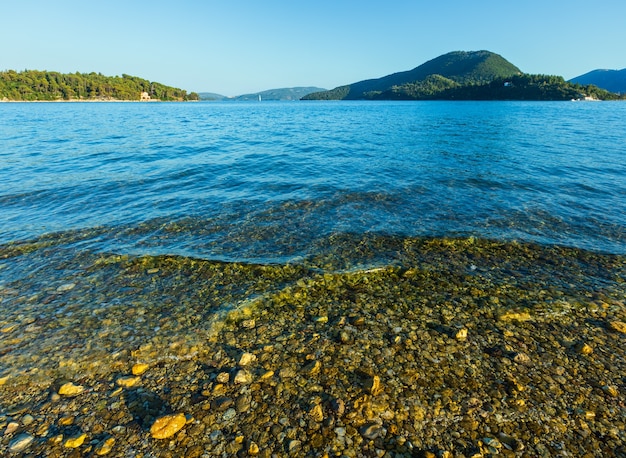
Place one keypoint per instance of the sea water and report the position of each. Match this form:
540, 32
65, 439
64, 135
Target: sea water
264, 181
117, 219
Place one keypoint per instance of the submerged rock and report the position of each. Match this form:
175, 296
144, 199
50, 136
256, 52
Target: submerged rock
20, 443
69, 389
167, 425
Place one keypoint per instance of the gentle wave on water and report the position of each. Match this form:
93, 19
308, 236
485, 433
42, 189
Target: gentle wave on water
551, 173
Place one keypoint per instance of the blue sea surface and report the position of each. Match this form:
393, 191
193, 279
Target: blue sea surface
265, 181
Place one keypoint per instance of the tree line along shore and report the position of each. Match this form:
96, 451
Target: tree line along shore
35, 85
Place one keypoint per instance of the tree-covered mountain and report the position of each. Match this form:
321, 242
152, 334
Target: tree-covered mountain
611, 80
479, 75
517, 87
33, 85
460, 67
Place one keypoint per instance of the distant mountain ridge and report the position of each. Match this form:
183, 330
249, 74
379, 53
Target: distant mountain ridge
461, 67
611, 80
286, 93
211, 96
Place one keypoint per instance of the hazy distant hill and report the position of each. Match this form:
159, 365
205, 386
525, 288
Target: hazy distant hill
611, 80
289, 93
211, 96
458, 67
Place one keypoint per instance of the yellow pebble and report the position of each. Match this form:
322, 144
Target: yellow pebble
317, 414
515, 316
56, 439
128, 381
239, 439
69, 389
66, 420
168, 425
75, 442
618, 326
375, 387
585, 349
105, 447
266, 375
140, 368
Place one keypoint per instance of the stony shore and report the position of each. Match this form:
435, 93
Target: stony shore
451, 355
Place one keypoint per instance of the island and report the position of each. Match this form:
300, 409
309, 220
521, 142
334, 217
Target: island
36, 85
462, 75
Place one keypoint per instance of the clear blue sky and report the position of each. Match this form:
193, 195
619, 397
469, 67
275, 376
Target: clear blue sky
239, 46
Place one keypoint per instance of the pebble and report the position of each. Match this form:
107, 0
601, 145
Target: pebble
105, 447
66, 420
248, 324
222, 403
371, 431
128, 381
294, 445
69, 389
8, 328
618, 326
140, 368
313, 368
253, 449
247, 359
11, 428
66, 287
223, 377
611, 390
287, 372
375, 387
20, 443
521, 358
267, 375
515, 316
243, 377
316, 413
167, 425
584, 349
75, 441
461, 334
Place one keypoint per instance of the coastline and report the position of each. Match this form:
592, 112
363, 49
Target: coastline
87, 100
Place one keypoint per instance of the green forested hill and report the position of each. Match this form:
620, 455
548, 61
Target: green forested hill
518, 87
479, 75
460, 67
32, 85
